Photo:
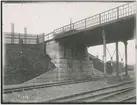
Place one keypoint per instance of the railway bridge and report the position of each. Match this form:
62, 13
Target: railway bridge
67, 46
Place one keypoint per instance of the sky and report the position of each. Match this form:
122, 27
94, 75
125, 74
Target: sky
45, 17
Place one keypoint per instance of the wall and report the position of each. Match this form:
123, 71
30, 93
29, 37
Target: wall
71, 59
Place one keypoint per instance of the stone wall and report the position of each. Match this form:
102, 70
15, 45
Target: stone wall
71, 60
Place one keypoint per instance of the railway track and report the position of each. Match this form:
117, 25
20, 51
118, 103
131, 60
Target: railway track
25, 87
130, 99
108, 94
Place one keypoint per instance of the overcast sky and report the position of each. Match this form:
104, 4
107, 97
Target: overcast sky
45, 17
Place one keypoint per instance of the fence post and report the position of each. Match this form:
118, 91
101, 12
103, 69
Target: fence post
44, 47
11, 38
37, 40
12, 33
19, 38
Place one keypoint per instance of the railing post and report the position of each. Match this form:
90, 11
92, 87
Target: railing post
85, 23
99, 18
48, 35
117, 12
43, 37
63, 29
128, 10
73, 26
70, 26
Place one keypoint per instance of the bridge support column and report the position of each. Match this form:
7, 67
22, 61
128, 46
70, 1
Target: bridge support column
71, 60
126, 70
117, 60
116, 78
126, 76
104, 53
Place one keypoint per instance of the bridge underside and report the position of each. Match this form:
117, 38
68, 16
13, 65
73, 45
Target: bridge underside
117, 30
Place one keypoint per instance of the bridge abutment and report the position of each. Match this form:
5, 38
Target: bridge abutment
71, 60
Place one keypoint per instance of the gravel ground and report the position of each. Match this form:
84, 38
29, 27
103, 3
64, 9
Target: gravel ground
45, 94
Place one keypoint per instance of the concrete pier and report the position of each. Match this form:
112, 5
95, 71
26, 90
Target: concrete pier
71, 60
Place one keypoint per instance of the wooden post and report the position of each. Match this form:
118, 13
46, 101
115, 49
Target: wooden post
25, 36
37, 40
126, 69
19, 38
117, 59
12, 33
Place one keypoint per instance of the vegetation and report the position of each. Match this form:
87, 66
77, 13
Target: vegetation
24, 62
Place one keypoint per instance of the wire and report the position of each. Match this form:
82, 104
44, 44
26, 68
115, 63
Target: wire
108, 51
113, 53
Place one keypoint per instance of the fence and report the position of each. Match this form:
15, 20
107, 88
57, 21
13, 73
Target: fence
19, 38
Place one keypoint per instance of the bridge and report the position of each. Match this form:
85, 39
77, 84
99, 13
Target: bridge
67, 46
69, 43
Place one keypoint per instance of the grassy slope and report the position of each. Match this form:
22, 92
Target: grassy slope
24, 62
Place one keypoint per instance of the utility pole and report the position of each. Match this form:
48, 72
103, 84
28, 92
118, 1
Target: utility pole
117, 60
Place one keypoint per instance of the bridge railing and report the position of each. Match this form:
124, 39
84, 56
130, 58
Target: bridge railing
112, 14
49, 36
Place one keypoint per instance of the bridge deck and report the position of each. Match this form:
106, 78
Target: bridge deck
118, 24
116, 30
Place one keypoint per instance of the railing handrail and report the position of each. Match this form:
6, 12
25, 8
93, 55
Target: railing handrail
96, 14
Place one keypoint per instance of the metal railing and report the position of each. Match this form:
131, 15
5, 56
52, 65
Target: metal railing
107, 16
20, 38
49, 36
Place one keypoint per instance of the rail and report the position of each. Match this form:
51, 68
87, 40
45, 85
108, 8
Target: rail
11, 89
22, 87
